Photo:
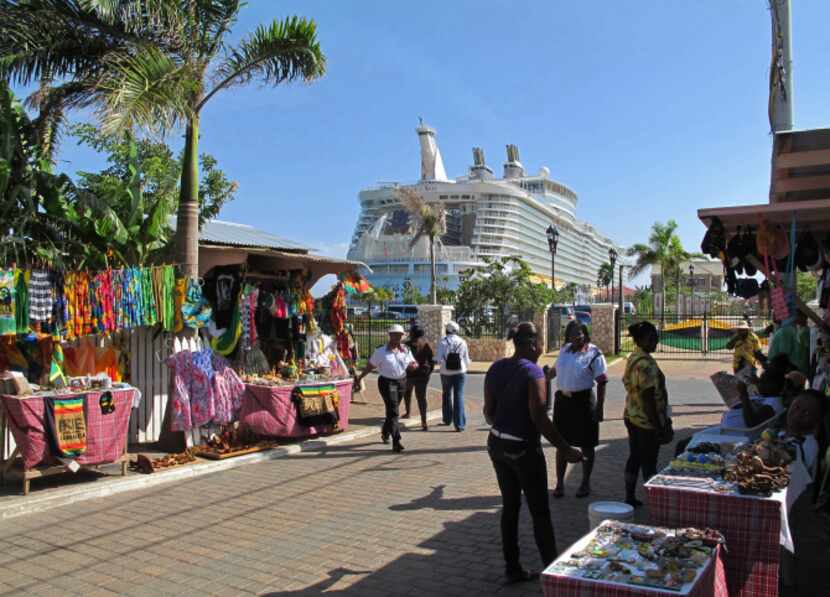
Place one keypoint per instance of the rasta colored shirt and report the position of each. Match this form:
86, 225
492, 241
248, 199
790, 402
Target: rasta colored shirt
642, 373
745, 350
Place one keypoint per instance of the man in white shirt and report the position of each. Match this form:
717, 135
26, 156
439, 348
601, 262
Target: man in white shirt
453, 359
392, 360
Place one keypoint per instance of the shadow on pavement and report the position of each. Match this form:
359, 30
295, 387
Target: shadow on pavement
465, 558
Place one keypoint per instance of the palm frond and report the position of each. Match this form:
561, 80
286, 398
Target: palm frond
283, 51
147, 89
430, 220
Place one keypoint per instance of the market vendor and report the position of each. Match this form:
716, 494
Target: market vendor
794, 342
756, 409
804, 417
392, 361
747, 349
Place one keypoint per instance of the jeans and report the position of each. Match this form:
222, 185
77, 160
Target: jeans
521, 467
452, 400
391, 390
419, 386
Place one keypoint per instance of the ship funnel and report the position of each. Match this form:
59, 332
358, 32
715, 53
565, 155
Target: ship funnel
432, 166
479, 169
513, 167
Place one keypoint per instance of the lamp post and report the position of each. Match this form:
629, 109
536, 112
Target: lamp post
618, 327
553, 240
612, 257
692, 287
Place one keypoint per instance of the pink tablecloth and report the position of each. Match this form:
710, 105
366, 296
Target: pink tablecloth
106, 434
712, 582
750, 525
269, 411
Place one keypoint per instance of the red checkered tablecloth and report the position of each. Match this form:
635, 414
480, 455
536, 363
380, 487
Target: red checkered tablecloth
711, 582
106, 433
750, 525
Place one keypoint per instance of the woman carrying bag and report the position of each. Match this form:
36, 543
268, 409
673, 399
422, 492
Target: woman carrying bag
577, 412
646, 409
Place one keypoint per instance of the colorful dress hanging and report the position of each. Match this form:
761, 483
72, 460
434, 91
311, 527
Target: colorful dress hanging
8, 317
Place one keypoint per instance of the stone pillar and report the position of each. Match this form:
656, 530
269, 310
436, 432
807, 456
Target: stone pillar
540, 320
602, 327
434, 318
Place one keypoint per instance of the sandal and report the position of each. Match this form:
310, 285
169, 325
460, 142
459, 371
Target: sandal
559, 492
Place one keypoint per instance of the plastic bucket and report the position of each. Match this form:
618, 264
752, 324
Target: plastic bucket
599, 511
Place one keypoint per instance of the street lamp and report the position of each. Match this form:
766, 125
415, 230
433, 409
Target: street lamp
612, 257
553, 240
692, 286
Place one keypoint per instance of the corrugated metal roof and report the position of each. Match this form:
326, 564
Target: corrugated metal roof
241, 235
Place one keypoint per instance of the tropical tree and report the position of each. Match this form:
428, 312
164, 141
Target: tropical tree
665, 249
504, 287
160, 170
430, 223
411, 294
643, 299
152, 64
605, 276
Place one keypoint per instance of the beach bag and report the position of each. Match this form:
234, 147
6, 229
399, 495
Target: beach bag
317, 406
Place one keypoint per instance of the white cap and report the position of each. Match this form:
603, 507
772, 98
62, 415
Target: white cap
452, 327
396, 329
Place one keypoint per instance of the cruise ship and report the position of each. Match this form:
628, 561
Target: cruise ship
487, 216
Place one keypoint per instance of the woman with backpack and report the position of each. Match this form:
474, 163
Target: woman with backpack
453, 359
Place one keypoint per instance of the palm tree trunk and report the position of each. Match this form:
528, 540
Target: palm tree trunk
433, 291
187, 222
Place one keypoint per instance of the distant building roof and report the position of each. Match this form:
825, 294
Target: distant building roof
218, 232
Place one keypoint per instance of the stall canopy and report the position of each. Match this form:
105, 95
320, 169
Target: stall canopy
229, 243
799, 186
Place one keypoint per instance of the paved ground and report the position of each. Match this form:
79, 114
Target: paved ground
352, 520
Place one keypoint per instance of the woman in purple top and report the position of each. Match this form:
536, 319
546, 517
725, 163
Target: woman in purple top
514, 406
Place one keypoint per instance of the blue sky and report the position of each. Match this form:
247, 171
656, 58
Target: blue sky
648, 110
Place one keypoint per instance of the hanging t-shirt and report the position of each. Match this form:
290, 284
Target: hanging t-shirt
221, 289
8, 317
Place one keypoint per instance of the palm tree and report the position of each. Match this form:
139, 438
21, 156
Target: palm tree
151, 64
665, 249
605, 275
430, 222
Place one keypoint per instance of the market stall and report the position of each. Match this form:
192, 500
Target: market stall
62, 362
52, 439
626, 559
743, 495
293, 355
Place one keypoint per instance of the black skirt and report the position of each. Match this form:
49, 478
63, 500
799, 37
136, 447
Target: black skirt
574, 418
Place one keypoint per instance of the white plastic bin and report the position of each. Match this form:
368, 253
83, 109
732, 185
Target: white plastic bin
599, 511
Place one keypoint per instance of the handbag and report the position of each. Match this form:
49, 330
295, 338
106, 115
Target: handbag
666, 435
317, 405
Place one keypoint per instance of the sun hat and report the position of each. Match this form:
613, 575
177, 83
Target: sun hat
396, 329
452, 327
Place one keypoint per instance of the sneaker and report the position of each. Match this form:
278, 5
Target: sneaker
398, 447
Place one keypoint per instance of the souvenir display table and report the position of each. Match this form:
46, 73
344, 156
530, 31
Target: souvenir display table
619, 559
755, 527
106, 433
269, 411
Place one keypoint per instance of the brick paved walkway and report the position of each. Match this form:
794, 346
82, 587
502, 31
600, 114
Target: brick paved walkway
354, 520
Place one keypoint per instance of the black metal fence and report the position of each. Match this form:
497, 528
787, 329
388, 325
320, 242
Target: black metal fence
691, 337
369, 333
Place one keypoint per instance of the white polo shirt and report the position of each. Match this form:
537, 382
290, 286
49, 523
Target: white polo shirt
392, 363
576, 371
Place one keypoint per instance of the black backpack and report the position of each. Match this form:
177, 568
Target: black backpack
453, 360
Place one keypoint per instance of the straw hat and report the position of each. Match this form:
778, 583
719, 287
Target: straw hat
396, 329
